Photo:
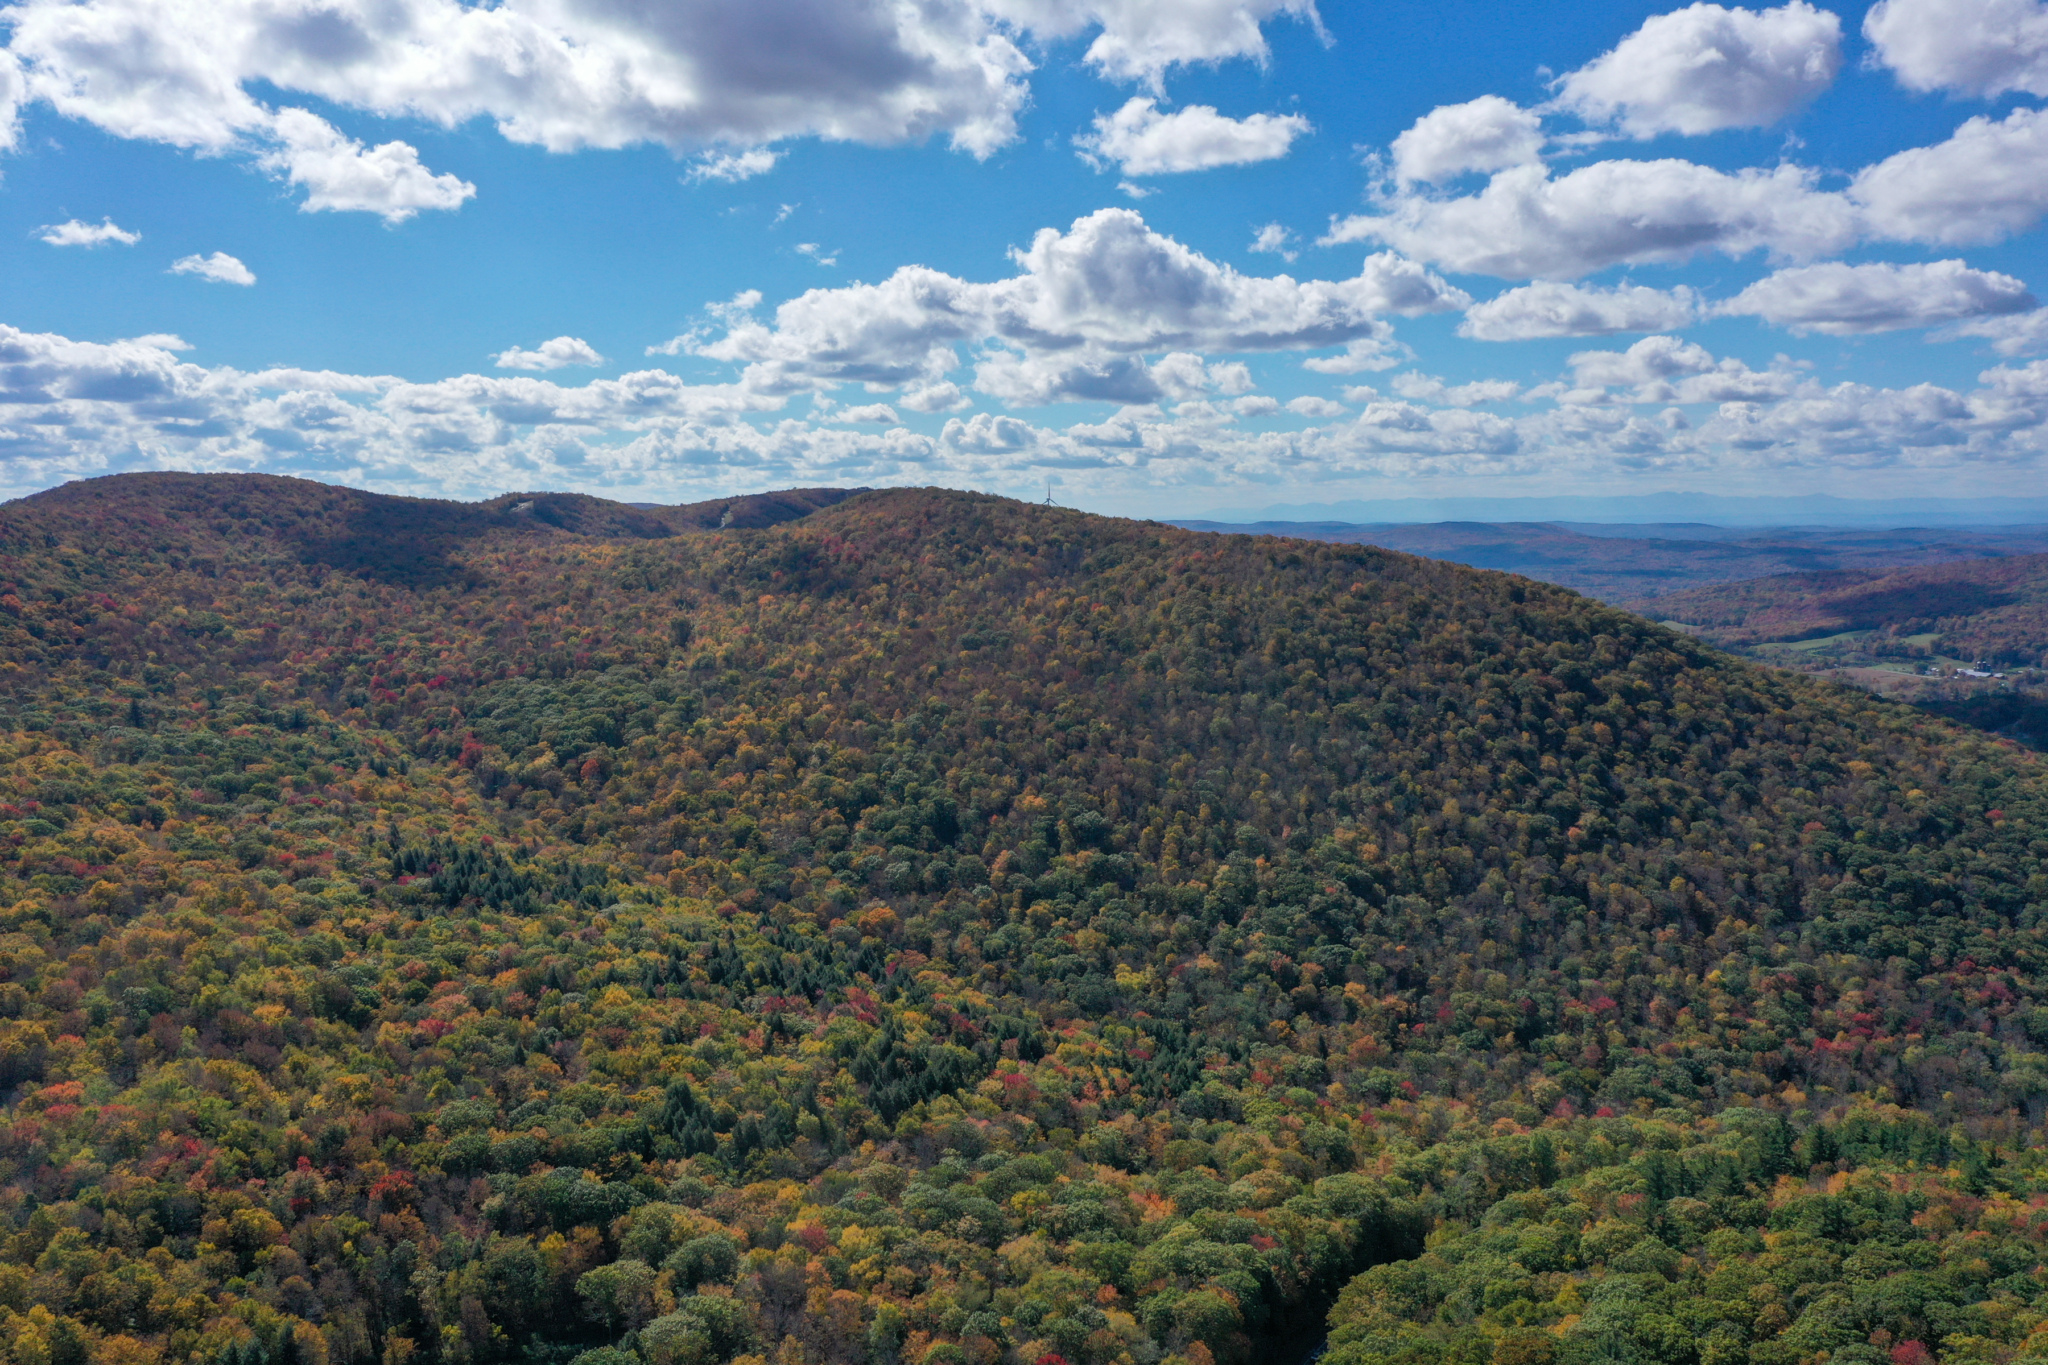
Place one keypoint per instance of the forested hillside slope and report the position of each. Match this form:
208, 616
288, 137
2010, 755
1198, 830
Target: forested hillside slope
938, 929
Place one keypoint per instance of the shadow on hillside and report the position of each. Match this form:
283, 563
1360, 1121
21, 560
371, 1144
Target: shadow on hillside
579, 514
410, 543
2013, 716
402, 542
755, 511
1920, 602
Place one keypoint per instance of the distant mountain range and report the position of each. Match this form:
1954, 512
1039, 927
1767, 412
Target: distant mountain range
1631, 564
1817, 509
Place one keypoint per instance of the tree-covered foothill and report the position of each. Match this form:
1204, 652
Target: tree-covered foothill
936, 929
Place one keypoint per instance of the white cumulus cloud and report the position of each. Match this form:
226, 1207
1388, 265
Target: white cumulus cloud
340, 174
1528, 225
1231, 376
988, 433
1427, 388
1184, 375
868, 413
1987, 181
549, 355
75, 233
944, 396
898, 332
1274, 240
1022, 379
1143, 141
1417, 438
1084, 308
1377, 350
1486, 134
219, 268
1663, 369
2009, 334
77, 408
1551, 309
1140, 40
578, 73
1844, 300
1706, 67
695, 76
1308, 405
13, 90
1971, 47
734, 166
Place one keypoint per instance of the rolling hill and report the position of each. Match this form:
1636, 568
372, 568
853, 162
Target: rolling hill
936, 929
1925, 635
1991, 612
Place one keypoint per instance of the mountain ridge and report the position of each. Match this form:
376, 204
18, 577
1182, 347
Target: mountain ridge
402, 536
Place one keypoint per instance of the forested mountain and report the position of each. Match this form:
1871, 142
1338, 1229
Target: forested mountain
939, 929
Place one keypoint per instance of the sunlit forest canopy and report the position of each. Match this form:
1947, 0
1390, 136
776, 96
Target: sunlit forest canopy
924, 927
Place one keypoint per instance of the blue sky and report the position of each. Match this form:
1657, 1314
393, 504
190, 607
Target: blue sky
426, 247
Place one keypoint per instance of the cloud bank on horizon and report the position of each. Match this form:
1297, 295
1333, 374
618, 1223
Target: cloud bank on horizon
1845, 207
